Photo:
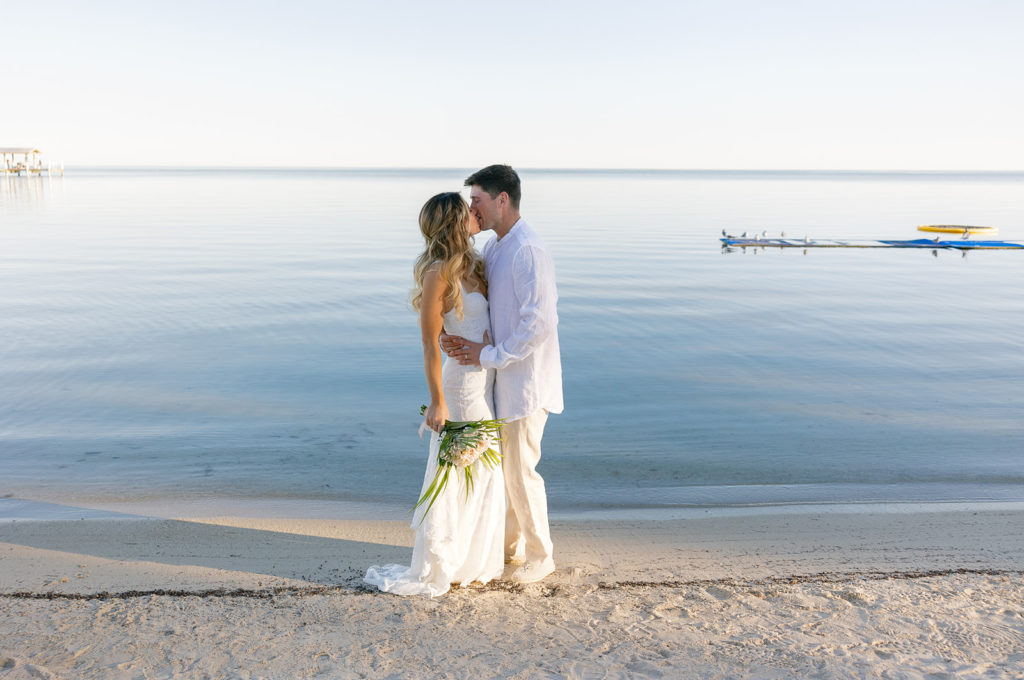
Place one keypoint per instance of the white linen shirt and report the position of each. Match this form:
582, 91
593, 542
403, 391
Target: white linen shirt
524, 324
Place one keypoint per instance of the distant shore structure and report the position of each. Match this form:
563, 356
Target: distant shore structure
29, 164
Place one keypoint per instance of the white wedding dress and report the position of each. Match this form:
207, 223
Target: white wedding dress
461, 539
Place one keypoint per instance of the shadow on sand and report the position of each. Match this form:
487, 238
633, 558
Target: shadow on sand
315, 560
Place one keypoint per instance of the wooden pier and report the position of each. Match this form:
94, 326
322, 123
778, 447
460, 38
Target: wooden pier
29, 164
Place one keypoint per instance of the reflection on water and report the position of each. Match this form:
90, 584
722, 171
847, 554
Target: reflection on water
246, 333
26, 195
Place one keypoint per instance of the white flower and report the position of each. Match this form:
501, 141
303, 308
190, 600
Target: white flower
462, 444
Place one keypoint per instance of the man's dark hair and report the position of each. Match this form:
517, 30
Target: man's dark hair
497, 178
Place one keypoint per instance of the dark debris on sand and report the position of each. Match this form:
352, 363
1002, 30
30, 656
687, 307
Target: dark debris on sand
544, 590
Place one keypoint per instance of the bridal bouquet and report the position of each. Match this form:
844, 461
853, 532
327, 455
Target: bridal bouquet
462, 444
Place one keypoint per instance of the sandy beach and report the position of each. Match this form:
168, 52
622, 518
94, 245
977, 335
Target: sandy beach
885, 593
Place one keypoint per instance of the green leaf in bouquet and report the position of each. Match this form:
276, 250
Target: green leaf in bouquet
461, 435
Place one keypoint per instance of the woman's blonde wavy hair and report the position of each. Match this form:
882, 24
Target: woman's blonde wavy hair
443, 221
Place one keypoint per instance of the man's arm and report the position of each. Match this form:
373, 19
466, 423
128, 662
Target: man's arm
533, 279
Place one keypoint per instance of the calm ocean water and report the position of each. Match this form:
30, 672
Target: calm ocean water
200, 335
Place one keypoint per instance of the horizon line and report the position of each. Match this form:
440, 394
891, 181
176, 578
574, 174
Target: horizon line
540, 169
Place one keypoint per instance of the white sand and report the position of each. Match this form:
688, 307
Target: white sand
769, 596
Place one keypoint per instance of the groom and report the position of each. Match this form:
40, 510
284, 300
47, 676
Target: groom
524, 352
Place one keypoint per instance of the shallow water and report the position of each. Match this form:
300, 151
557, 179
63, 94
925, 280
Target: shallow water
202, 335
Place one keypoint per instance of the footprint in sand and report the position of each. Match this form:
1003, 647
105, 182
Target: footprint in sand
720, 594
671, 611
620, 614
962, 639
855, 597
19, 668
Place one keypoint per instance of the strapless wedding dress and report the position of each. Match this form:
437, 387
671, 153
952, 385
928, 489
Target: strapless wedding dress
461, 539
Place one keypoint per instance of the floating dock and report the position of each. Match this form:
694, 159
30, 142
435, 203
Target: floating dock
759, 242
29, 164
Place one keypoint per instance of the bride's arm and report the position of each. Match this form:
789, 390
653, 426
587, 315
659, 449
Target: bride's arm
431, 325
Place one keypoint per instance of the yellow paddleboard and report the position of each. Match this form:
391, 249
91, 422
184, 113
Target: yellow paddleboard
957, 229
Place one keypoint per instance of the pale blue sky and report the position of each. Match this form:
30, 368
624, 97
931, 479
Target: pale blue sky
846, 85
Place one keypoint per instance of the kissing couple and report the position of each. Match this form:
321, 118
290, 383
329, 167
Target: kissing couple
494, 314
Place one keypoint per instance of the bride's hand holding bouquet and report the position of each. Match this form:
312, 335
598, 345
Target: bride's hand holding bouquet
436, 415
462, 444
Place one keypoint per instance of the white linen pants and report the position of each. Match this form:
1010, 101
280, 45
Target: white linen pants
526, 519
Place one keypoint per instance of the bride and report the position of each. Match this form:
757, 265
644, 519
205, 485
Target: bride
460, 539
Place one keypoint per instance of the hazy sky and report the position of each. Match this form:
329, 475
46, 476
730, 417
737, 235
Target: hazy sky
761, 84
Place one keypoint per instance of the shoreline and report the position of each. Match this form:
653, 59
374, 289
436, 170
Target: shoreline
13, 509
112, 553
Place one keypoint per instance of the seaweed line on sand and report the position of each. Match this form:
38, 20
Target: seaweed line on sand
545, 590
820, 578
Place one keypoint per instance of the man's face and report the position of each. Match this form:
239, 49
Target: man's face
484, 207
